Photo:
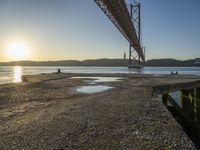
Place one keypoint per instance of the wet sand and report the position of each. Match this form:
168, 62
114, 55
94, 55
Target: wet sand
46, 112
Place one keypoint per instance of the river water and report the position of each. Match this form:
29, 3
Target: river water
12, 74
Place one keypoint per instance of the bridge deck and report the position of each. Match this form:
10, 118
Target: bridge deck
47, 113
118, 13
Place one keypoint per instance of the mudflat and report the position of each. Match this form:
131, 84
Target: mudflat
46, 112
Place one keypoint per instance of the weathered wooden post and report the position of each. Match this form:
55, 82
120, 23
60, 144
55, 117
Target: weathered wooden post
187, 102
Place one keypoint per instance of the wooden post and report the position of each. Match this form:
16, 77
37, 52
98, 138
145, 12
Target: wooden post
197, 100
187, 102
192, 100
172, 101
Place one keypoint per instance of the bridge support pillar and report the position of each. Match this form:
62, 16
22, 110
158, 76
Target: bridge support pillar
134, 57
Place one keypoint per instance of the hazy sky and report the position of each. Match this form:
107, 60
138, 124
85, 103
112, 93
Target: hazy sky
78, 29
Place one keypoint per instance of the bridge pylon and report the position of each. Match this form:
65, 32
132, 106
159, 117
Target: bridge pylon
135, 60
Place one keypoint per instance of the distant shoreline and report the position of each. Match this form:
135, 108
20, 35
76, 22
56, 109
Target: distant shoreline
105, 63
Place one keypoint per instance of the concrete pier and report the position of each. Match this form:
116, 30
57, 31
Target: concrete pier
46, 112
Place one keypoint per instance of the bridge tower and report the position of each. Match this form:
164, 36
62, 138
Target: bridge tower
135, 60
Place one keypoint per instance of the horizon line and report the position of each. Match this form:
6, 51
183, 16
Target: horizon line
92, 59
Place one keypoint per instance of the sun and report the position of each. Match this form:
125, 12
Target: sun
17, 50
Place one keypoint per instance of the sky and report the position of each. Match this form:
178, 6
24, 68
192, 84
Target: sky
78, 30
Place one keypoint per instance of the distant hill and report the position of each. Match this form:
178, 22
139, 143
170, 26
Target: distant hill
174, 63
107, 63
97, 62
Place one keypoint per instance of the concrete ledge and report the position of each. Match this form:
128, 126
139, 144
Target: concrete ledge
46, 112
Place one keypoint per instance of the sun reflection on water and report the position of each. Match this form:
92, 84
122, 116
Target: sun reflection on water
17, 74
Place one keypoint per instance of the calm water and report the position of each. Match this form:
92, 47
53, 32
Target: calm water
9, 74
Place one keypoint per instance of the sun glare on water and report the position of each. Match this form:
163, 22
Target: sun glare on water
17, 74
17, 50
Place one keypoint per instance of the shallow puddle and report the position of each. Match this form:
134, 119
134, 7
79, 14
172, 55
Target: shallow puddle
92, 84
99, 79
90, 89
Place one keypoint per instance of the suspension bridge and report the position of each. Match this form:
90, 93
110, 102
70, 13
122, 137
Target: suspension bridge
127, 19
